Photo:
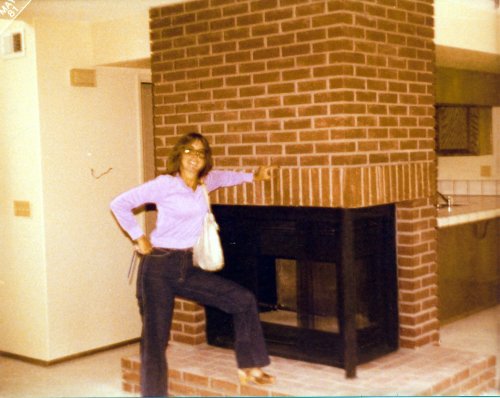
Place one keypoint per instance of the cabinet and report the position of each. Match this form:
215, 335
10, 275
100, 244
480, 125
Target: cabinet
463, 130
468, 268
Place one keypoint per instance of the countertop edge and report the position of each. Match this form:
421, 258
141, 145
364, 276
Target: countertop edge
449, 221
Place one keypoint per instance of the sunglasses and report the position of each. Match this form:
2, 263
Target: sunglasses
190, 151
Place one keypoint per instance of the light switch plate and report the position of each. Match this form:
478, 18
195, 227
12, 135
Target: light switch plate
22, 208
83, 77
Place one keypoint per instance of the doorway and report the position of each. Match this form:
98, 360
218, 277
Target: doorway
148, 148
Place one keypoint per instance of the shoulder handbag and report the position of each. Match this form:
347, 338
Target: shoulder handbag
207, 252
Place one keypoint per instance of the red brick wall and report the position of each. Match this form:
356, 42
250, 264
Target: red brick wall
337, 93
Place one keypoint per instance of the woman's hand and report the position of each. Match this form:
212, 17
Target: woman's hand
263, 173
144, 246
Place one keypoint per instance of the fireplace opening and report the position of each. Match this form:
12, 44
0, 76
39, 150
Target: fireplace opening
307, 298
325, 280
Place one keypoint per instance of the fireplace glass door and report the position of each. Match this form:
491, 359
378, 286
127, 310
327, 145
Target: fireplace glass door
290, 258
304, 295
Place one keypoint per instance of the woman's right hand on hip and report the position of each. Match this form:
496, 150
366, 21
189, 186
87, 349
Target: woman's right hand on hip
144, 245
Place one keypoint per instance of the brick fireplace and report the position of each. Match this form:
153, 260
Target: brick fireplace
338, 94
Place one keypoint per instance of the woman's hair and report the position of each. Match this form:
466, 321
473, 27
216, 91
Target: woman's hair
174, 158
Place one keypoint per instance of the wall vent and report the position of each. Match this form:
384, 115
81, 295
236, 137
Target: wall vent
13, 44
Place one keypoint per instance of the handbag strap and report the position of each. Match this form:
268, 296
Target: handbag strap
131, 268
207, 197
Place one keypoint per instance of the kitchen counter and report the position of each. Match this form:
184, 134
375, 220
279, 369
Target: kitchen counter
469, 209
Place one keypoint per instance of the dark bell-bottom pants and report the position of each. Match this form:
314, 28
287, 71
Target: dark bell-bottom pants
165, 274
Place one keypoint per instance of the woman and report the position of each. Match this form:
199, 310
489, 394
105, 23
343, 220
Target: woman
167, 269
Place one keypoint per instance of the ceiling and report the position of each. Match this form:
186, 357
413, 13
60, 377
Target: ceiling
102, 10
90, 10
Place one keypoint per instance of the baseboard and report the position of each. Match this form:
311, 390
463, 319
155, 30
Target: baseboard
40, 362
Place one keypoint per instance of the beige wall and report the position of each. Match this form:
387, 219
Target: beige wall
65, 285
90, 303
121, 40
468, 24
23, 285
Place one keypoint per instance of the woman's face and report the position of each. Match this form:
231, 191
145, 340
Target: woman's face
193, 157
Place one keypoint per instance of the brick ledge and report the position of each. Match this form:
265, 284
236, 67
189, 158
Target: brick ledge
209, 371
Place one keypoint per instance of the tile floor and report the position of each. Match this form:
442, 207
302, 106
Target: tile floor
99, 375
478, 333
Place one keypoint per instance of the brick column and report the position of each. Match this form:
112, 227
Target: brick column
417, 273
337, 93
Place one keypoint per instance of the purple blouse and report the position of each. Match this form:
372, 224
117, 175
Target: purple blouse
180, 209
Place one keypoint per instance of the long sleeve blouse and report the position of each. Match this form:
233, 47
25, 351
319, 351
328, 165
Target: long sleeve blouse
181, 210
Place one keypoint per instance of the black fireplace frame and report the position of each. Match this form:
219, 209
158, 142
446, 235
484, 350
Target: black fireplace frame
251, 234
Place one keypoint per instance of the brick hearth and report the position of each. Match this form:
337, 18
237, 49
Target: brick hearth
209, 371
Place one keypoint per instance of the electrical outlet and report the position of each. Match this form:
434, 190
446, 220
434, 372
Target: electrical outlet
22, 208
485, 171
